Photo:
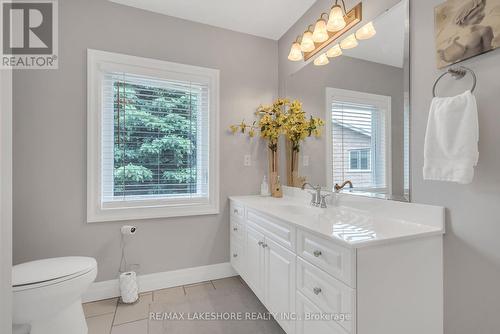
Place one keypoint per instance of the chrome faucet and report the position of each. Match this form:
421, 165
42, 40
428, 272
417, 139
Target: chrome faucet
316, 198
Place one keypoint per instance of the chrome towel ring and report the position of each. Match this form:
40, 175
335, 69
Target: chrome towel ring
458, 73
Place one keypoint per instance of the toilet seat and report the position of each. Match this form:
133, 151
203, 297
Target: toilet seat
36, 274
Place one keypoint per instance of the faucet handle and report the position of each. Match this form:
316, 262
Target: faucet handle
313, 197
323, 200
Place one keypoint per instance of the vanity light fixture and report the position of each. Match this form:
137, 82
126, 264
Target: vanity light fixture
307, 44
366, 32
336, 20
295, 51
320, 33
321, 60
334, 51
319, 38
349, 42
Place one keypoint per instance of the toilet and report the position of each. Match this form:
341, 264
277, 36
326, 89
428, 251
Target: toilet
47, 295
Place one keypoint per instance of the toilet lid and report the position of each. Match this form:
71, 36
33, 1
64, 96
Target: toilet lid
50, 269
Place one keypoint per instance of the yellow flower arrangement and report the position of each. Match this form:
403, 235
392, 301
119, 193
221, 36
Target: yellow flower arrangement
282, 117
297, 127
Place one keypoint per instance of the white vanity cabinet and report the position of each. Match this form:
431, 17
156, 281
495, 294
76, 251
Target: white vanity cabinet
334, 287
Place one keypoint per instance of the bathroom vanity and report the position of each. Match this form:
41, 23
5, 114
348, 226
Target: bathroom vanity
362, 265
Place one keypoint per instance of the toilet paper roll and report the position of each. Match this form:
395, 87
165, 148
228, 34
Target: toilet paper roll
128, 287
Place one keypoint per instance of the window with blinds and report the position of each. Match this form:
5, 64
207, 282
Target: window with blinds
359, 147
155, 138
153, 130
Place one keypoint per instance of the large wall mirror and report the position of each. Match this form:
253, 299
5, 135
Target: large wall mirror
363, 96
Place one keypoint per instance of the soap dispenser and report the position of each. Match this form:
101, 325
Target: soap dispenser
277, 191
264, 187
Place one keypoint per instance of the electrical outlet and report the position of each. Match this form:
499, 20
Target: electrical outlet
247, 160
305, 160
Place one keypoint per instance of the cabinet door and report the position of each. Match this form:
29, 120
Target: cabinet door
310, 320
254, 256
279, 283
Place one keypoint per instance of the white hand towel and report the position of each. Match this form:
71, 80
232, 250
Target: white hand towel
451, 140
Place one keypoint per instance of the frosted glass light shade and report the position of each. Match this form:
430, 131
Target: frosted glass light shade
334, 51
307, 44
365, 32
320, 34
349, 42
321, 60
295, 52
336, 19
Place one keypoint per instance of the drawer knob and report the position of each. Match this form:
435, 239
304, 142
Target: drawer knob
317, 291
264, 245
235, 255
235, 211
235, 229
317, 253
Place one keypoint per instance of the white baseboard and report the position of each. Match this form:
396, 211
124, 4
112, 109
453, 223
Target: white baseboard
163, 280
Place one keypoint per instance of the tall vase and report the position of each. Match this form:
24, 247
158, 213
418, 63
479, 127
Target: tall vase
274, 178
292, 164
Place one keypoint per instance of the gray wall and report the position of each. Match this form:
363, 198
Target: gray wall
471, 243
309, 86
50, 137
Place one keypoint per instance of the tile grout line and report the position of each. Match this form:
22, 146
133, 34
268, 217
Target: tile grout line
129, 322
99, 315
114, 316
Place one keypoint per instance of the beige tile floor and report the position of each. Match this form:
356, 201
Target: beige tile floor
225, 295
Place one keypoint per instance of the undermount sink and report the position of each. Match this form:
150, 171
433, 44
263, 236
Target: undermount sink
301, 210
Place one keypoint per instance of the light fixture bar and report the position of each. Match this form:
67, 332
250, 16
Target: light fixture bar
352, 18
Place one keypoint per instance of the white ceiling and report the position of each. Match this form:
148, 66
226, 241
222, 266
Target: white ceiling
264, 18
387, 46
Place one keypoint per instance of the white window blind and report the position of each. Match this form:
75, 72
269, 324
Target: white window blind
155, 139
359, 145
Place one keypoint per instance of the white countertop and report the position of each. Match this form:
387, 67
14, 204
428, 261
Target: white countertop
353, 221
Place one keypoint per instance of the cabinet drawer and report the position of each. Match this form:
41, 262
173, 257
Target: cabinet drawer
338, 261
237, 256
331, 296
236, 210
280, 231
237, 229
308, 322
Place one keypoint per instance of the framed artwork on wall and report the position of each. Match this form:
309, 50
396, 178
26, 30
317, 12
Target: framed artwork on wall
465, 29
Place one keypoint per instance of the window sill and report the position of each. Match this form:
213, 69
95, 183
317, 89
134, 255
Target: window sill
359, 171
95, 215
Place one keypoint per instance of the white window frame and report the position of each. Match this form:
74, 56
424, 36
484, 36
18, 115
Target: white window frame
99, 62
382, 102
358, 151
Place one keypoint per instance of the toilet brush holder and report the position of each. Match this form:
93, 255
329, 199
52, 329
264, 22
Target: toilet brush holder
129, 289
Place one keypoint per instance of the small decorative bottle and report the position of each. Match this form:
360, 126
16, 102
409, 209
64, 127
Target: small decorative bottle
264, 187
277, 191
